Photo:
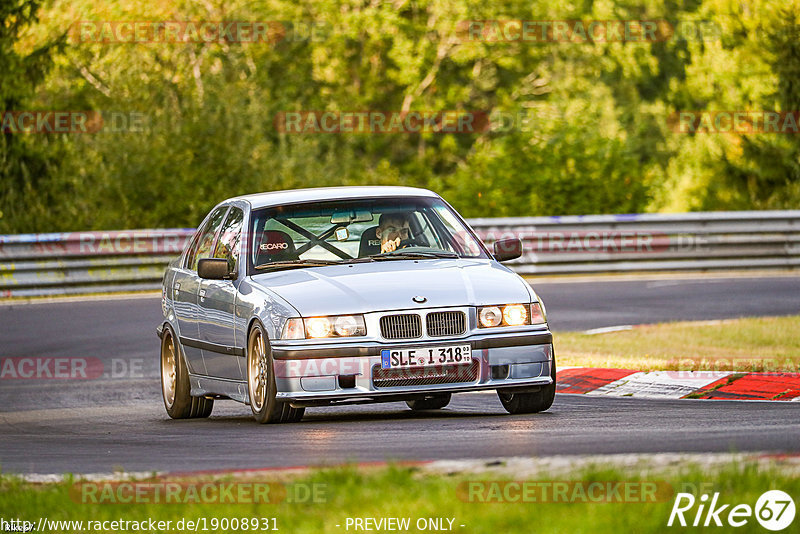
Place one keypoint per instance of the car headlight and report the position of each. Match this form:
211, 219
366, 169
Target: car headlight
515, 315
490, 316
511, 315
321, 327
318, 327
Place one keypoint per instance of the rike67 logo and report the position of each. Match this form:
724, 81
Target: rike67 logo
774, 510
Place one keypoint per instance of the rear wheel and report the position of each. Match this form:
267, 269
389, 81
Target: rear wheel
261, 387
431, 402
175, 388
530, 402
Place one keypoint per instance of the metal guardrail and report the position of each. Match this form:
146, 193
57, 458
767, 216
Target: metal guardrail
100, 262
86, 262
651, 242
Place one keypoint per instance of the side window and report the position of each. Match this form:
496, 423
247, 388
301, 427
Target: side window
229, 238
206, 240
191, 248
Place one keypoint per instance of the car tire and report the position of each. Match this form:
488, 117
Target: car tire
431, 402
261, 388
175, 388
530, 402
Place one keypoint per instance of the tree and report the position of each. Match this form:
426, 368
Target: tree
767, 176
27, 162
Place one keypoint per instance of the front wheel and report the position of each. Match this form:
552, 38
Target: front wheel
537, 401
175, 387
261, 387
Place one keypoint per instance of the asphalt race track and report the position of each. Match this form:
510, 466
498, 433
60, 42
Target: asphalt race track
118, 421
582, 306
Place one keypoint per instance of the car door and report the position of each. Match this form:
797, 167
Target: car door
186, 286
184, 296
217, 302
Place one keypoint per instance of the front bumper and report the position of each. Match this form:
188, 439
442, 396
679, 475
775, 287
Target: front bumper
347, 372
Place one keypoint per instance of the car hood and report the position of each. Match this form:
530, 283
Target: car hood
390, 285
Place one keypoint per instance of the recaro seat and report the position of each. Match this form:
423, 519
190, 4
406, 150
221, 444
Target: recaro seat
370, 244
275, 245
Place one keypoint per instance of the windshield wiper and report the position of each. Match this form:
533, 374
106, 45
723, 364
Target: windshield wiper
365, 259
289, 264
412, 255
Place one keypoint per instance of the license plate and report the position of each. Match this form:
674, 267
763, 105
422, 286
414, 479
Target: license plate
426, 356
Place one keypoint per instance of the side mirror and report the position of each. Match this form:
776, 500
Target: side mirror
506, 249
214, 269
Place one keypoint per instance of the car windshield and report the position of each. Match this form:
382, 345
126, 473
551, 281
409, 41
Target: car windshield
322, 233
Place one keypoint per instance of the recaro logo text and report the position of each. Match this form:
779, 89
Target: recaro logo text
274, 246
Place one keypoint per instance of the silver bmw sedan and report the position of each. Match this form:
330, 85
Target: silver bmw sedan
347, 295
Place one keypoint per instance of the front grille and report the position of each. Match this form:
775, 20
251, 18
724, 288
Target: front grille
423, 376
446, 323
408, 326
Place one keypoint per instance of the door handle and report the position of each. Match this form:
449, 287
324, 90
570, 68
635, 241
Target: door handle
202, 294
176, 286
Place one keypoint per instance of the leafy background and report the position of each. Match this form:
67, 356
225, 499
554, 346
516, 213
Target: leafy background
600, 141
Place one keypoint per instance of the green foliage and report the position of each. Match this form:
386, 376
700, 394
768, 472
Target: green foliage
768, 173
613, 496
596, 138
28, 167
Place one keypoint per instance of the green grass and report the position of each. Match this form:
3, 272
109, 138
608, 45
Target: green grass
767, 344
408, 492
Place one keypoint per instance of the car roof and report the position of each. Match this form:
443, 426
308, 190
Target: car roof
290, 196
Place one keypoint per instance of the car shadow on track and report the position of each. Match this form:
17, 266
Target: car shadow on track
370, 413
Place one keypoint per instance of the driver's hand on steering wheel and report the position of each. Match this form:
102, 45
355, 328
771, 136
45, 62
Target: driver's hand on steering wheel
390, 246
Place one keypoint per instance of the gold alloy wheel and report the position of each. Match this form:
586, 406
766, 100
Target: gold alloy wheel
257, 370
168, 368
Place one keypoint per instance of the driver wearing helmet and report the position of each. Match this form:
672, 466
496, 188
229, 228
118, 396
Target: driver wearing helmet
393, 228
